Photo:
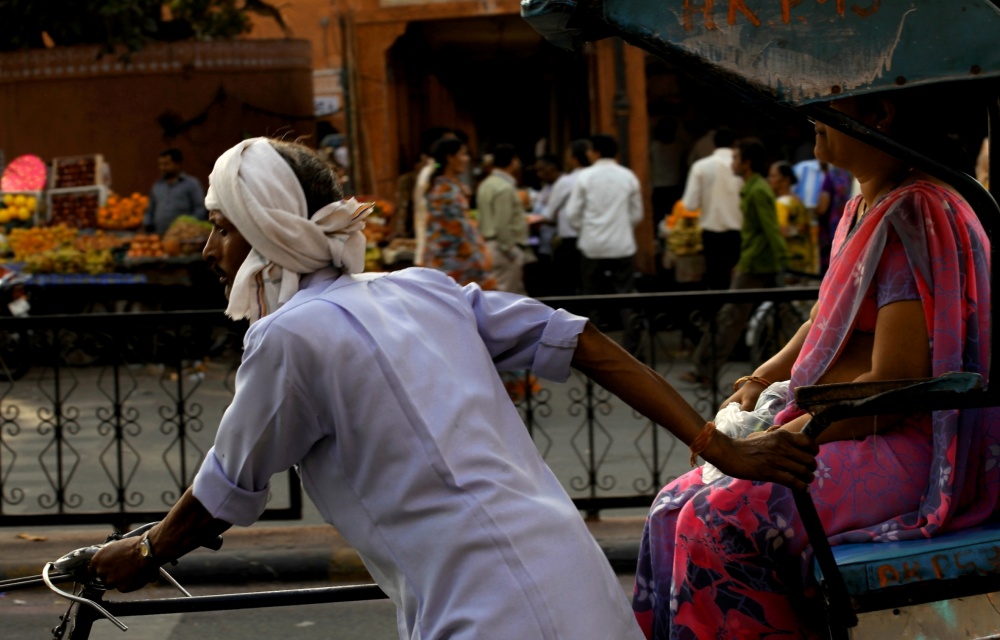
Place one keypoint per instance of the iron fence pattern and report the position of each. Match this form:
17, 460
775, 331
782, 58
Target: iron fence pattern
117, 411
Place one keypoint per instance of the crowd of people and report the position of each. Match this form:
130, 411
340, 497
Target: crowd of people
565, 224
550, 226
434, 479
569, 232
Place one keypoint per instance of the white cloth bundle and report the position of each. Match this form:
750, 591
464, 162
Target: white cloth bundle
256, 190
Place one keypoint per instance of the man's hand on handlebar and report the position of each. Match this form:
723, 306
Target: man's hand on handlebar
121, 565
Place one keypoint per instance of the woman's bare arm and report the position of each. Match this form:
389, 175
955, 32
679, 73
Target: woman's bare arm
901, 350
778, 367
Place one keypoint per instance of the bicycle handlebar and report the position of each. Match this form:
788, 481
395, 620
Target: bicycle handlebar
73, 565
76, 562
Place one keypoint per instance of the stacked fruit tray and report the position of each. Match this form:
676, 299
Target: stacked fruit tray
21, 208
75, 207
78, 171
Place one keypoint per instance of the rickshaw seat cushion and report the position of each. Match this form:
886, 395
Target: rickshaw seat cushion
874, 566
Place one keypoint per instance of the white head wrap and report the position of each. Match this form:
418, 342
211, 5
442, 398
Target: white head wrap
256, 189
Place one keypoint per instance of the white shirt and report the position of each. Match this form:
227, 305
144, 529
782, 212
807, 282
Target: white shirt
420, 188
713, 188
384, 389
605, 206
555, 210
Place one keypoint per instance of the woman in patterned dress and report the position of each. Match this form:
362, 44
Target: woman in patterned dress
454, 244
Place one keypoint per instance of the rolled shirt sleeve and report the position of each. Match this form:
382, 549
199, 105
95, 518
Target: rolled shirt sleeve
270, 426
522, 333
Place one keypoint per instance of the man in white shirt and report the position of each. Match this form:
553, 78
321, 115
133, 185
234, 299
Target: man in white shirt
432, 478
565, 255
605, 207
713, 189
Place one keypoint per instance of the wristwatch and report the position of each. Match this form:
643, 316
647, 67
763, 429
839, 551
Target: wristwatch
146, 547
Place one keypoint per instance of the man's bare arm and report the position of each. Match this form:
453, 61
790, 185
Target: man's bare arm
188, 526
784, 457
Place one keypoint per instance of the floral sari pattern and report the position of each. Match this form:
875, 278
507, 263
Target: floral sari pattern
454, 244
728, 559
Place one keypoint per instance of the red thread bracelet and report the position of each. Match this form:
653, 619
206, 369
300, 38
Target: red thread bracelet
701, 442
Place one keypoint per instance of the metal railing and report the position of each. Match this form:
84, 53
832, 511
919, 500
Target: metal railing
117, 411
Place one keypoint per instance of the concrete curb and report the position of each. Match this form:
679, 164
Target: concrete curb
270, 554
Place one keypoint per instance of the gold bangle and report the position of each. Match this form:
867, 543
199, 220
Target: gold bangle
701, 442
741, 381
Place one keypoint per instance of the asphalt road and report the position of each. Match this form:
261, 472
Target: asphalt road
31, 614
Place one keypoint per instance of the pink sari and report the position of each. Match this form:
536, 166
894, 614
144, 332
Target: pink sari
727, 559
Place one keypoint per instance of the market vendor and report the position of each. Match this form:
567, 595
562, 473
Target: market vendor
432, 478
175, 194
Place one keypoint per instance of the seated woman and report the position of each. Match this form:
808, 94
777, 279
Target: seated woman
907, 296
453, 243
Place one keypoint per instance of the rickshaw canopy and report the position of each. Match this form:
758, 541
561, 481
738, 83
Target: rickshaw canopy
794, 52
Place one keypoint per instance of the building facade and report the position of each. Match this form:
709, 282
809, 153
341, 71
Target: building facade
385, 71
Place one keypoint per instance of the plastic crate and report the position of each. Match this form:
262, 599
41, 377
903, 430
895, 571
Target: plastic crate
37, 215
75, 207
72, 172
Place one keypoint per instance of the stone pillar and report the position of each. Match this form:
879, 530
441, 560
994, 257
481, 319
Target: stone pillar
373, 97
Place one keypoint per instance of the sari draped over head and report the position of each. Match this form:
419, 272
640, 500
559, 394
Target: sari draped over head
950, 256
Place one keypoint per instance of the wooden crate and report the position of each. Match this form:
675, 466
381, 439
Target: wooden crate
72, 172
75, 207
37, 216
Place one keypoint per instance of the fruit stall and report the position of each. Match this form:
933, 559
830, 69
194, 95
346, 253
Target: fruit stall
84, 247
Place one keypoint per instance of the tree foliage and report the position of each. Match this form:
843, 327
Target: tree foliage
120, 26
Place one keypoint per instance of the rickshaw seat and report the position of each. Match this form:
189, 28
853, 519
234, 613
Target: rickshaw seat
886, 575
881, 575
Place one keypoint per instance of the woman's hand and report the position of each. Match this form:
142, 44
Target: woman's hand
746, 396
779, 456
120, 565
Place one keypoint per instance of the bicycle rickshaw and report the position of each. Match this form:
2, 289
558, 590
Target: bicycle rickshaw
785, 55
792, 56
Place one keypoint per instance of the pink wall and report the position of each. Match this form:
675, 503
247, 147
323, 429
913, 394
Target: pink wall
66, 101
